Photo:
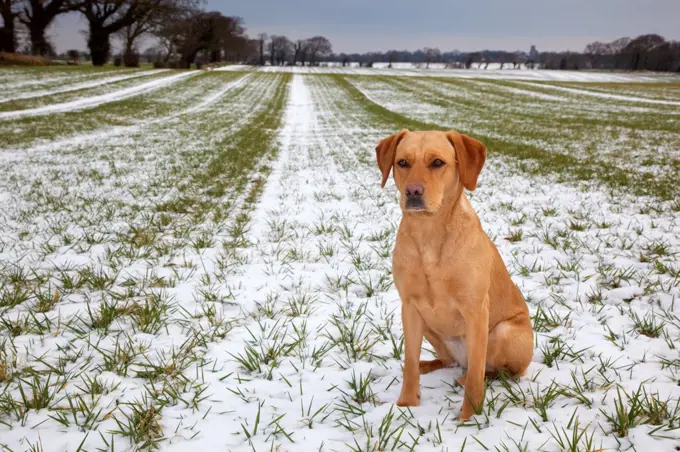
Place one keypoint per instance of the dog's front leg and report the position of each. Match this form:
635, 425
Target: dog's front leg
413, 337
477, 338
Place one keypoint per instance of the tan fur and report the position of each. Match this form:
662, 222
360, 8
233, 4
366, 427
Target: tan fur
454, 287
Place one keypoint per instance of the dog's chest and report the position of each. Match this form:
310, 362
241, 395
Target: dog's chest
441, 315
421, 276
423, 280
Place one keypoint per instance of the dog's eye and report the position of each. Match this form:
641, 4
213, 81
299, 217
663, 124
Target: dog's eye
403, 163
437, 163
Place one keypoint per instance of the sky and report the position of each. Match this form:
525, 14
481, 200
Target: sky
379, 25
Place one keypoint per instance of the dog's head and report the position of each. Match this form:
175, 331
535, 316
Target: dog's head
430, 166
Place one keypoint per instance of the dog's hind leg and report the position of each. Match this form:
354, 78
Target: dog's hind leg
444, 356
509, 350
511, 346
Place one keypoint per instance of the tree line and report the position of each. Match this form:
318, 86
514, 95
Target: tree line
180, 26
650, 52
186, 34
279, 50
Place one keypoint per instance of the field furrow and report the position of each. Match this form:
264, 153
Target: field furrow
409, 70
637, 145
110, 277
654, 92
625, 98
9, 95
93, 101
112, 118
79, 91
18, 82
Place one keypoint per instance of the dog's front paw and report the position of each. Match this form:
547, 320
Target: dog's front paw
405, 400
465, 414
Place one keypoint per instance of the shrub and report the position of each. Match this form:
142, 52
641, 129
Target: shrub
17, 59
131, 59
74, 56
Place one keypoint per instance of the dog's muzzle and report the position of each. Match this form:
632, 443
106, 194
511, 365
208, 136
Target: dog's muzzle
415, 203
414, 197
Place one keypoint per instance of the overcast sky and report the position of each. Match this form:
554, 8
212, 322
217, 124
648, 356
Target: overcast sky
379, 25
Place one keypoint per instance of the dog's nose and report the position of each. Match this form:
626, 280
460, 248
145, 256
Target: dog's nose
414, 190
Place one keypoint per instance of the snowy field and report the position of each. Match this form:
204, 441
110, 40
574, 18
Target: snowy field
202, 259
438, 70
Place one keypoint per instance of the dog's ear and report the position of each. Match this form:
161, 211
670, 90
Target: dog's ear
471, 155
385, 151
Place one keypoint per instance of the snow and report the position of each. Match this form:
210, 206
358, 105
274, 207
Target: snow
522, 92
583, 92
128, 180
94, 101
232, 67
564, 122
307, 189
17, 81
110, 133
77, 86
409, 70
315, 266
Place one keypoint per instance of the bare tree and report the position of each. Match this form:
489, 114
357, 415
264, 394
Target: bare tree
607, 54
280, 48
73, 55
147, 21
470, 58
391, 57
9, 10
198, 36
240, 49
221, 33
37, 15
618, 45
129, 35
262, 38
639, 49
168, 38
504, 58
199, 31
431, 55
300, 51
235, 40
272, 49
170, 33
598, 52
254, 50
106, 17
318, 47
533, 57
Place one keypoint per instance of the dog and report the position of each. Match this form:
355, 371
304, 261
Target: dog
454, 287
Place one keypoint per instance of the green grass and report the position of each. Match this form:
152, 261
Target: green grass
34, 102
649, 90
533, 160
164, 101
130, 313
214, 164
